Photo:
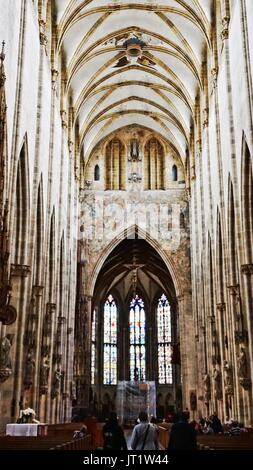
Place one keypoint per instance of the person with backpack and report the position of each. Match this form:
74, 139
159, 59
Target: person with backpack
145, 436
113, 434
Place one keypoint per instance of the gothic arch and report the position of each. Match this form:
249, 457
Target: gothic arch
51, 255
39, 235
220, 261
247, 201
22, 205
128, 234
232, 235
154, 161
115, 165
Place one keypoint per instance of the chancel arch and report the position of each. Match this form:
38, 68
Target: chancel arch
136, 320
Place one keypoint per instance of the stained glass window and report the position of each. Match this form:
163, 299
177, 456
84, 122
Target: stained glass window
110, 341
164, 341
137, 339
93, 347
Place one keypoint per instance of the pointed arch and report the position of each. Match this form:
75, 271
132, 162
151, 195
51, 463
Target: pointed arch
39, 235
220, 260
232, 233
51, 260
164, 340
174, 173
115, 165
96, 173
22, 205
247, 201
110, 341
130, 232
137, 336
154, 164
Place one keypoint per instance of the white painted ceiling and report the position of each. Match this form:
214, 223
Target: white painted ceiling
161, 97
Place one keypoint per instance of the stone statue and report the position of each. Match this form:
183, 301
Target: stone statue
5, 349
217, 384
44, 372
242, 364
207, 387
228, 378
56, 385
134, 149
29, 370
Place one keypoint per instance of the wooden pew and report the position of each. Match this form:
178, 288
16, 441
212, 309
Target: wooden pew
243, 441
44, 443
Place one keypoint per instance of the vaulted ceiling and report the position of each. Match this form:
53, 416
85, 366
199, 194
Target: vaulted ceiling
109, 92
129, 257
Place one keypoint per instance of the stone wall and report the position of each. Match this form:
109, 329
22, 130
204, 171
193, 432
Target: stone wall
221, 227
42, 203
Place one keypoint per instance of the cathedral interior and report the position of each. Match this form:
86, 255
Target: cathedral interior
126, 206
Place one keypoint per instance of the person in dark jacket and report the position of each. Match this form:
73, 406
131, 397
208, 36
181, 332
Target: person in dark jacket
182, 435
113, 434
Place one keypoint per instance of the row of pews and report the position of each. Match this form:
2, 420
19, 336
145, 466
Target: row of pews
241, 442
212, 441
59, 437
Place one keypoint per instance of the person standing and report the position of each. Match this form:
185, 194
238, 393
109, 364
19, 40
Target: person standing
182, 435
145, 436
113, 434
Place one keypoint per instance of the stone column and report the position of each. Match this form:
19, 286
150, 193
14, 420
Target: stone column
19, 282
188, 350
87, 350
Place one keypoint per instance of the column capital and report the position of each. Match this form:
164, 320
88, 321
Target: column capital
221, 306
37, 291
88, 298
234, 289
20, 270
247, 269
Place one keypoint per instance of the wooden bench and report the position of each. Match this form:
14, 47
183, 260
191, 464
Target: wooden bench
243, 441
44, 443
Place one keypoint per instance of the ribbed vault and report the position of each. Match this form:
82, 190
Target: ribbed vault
107, 91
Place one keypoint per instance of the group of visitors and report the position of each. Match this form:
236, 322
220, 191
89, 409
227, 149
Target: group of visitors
145, 434
213, 425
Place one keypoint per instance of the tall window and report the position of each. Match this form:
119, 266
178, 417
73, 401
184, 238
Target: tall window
164, 341
96, 173
110, 341
137, 339
93, 347
174, 173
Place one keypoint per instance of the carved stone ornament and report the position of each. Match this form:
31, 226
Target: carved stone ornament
43, 36
5, 359
225, 27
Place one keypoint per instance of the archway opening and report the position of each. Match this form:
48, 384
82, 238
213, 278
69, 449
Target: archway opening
136, 331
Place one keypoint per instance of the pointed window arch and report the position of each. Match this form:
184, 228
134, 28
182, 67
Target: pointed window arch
137, 330
96, 173
164, 341
174, 173
110, 341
